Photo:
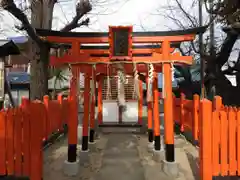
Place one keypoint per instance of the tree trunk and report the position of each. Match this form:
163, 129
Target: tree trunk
42, 13
41, 17
39, 72
216, 76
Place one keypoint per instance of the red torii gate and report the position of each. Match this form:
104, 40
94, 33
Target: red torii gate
81, 60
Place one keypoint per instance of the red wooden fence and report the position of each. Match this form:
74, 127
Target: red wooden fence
219, 141
217, 128
186, 114
22, 132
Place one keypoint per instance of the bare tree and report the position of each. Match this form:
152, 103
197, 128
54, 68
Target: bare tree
41, 17
225, 13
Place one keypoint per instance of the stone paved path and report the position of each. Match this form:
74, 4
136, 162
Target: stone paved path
117, 157
121, 159
56, 154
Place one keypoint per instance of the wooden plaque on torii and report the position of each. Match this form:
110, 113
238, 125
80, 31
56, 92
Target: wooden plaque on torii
120, 41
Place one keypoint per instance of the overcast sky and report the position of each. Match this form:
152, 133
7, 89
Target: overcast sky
139, 13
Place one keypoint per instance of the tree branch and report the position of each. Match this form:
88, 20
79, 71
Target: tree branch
82, 8
232, 70
187, 15
72, 25
11, 7
226, 49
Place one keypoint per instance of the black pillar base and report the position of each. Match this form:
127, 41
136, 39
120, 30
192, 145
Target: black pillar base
84, 143
150, 135
72, 153
170, 154
13, 177
92, 133
157, 143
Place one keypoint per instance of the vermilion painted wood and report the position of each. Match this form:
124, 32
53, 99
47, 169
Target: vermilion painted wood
3, 148
232, 142
61, 117
48, 119
100, 100
215, 143
195, 114
134, 51
10, 141
224, 143
206, 135
26, 136
143, 39
36, 127
140, 103
175, 58
18, 142
238, 141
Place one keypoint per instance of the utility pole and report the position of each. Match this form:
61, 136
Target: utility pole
202, 61
212, 45
212, 38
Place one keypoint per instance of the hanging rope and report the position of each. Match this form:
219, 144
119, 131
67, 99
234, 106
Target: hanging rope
71, 76
109, 94
93, 83
136, 81
121, 93
150, 82
121, 81
121, 74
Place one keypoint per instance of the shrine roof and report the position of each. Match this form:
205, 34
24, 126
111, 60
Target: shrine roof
198, 30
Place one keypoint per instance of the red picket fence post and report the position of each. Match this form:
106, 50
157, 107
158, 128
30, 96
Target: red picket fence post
205, 137
182, 114
3, 148
22, 130
217, 103
48, 119
66, 113
26, 136
195, 114
18, 148
61, 113
36, 137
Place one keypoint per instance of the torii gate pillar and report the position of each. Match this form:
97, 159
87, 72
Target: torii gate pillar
169, 166
71, 164
168, 112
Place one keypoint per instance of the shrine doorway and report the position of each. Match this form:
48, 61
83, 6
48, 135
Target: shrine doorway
112, 111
